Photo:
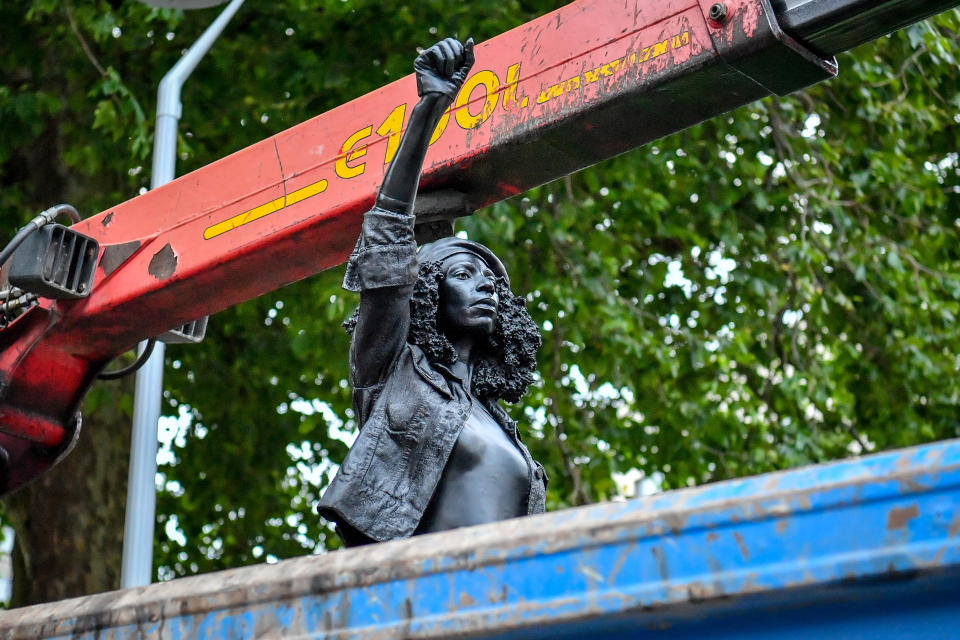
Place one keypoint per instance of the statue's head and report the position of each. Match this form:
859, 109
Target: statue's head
462, 286
469, 302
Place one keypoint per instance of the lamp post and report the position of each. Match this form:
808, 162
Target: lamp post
141, 486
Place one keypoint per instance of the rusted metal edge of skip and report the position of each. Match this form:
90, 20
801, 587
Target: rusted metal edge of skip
890, 518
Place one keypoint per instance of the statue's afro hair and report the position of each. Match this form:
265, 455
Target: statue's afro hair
504, 363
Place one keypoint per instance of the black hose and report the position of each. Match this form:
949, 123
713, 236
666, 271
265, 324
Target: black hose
18, 239
70, 211
140, 361
41, 220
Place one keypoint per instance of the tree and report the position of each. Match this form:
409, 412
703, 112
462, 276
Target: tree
76, 104
792, 305
771, 288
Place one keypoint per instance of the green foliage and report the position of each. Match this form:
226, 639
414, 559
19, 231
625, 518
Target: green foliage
771, 288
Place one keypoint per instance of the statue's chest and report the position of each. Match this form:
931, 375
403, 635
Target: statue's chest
484, 447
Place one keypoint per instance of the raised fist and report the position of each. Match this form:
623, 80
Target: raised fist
443, 67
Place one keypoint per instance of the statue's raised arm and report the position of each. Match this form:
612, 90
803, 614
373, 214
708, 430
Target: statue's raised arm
383, 267
438, 340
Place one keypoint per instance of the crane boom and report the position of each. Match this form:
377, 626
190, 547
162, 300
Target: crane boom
584, 83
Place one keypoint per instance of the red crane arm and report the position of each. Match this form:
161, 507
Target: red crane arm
573, 87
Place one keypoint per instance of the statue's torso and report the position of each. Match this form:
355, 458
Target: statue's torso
486, 478
396, 471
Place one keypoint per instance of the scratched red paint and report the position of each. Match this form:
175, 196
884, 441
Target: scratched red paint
743, 15
621, 54
751, 14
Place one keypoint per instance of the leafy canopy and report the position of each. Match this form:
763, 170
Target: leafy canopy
771, 288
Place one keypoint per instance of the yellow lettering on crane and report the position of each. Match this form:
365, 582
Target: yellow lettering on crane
554, 91
393, 126
354, 148
352, 152
610, 68
491, 96
510, 88
557, 90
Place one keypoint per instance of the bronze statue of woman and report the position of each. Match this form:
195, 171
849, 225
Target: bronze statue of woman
438, 340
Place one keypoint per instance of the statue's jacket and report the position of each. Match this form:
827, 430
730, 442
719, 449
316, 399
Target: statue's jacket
411, 418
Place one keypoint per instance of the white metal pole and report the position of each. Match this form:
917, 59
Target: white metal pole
141, 488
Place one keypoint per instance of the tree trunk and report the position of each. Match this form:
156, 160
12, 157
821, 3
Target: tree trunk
69, 521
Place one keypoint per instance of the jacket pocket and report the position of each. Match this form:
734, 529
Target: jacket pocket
401, 448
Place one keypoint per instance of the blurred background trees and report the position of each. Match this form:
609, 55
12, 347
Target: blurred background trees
772, 288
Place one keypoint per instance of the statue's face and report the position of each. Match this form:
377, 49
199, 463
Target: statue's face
468, 296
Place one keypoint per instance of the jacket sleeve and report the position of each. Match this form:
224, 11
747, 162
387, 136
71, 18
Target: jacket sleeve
385, 254
383, 268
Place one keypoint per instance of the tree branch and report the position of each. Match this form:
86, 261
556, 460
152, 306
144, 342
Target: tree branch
68, 9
